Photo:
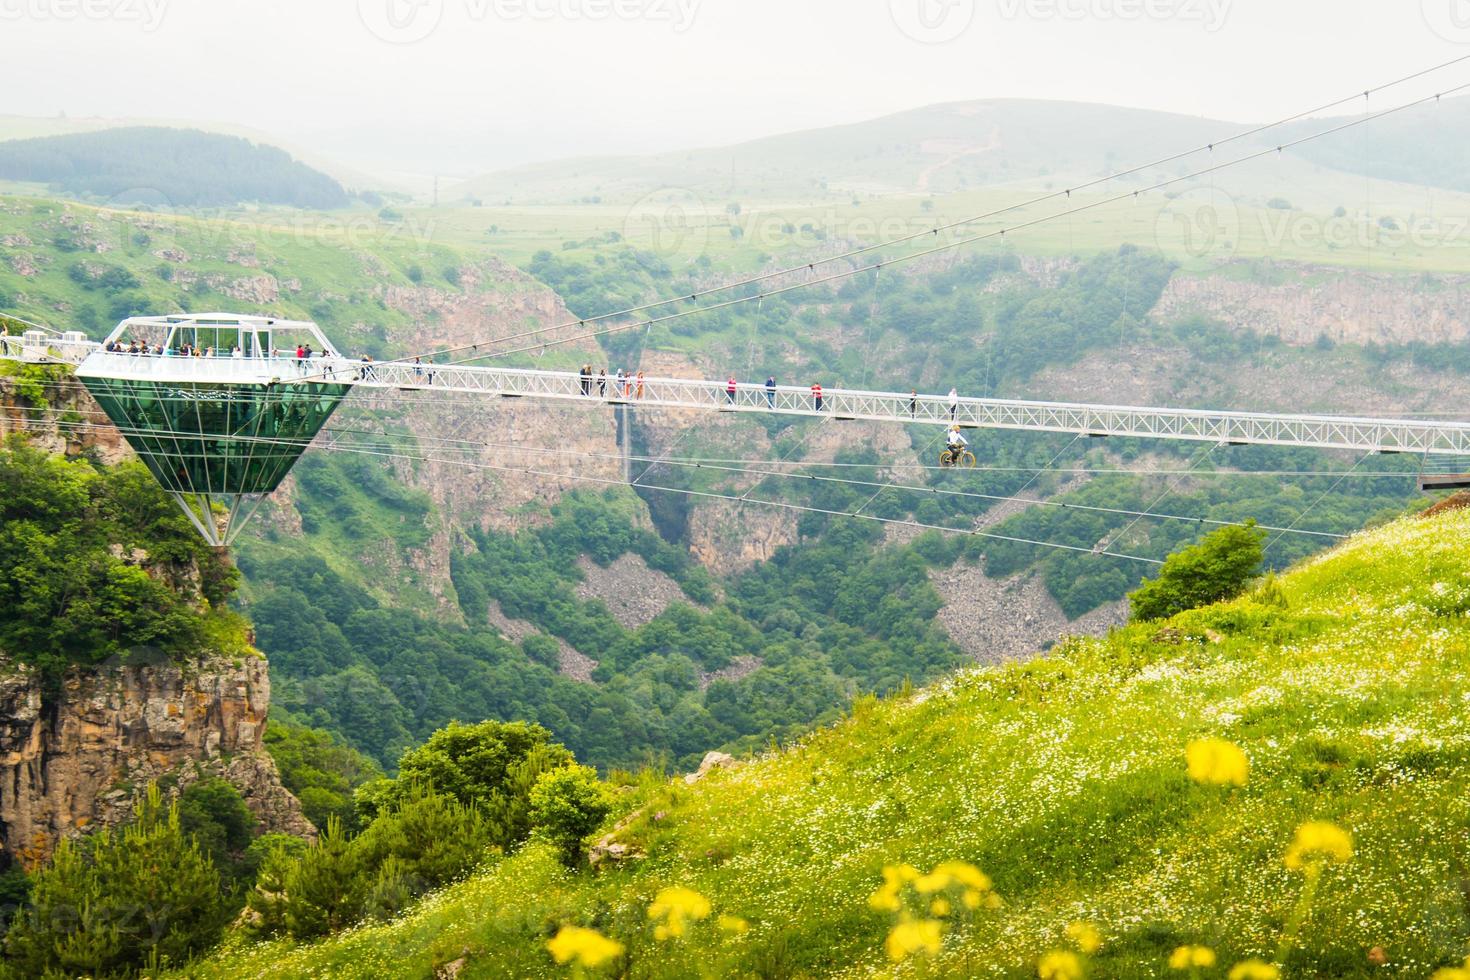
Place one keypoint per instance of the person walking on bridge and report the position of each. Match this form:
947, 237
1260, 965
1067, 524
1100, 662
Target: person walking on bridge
771, 391
602, 383
954, 402
817, 395
730, 387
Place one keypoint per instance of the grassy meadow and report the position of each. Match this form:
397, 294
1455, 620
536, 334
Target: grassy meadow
1064, 781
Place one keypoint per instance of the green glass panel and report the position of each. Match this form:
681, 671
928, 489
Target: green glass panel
217, 438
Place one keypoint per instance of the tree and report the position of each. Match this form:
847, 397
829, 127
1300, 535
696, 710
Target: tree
490, 766
274, 856
567, 804
214, 813
319, 769
1215, 569
324, 887
105, 907
427, 839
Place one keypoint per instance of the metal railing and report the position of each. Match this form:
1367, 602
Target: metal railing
35, 347
1256, 428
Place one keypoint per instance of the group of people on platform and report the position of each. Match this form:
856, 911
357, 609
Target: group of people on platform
302, 353
623, 383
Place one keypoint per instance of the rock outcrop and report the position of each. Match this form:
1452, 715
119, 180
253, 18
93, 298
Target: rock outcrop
76, 758
1304, 303
634, 594
999, 619
69, 424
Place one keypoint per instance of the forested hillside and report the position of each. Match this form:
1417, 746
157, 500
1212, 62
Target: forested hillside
1134, 806
156, 166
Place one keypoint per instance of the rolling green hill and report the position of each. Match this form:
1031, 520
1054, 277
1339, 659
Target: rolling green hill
1002, 143
170, 167
1065, 781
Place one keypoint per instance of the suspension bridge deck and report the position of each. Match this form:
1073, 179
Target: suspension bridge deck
1245, 428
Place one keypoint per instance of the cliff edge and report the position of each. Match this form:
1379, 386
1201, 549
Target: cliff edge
76, 759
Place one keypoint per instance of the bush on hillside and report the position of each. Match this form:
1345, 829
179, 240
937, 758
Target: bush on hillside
69, 594
418, 843
490, 766
213, 812
567, 804
120, 900
323, 888
1217, 568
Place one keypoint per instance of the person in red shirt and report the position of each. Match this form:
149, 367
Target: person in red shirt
817, 395
730, 390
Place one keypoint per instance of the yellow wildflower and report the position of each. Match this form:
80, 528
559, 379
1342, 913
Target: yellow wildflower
1318, 841
932, 882
1451, 973
1085, 935
896, 874
674, 908
588, 947
913, 936
885, 899
939, 907
1192, 957
1214, 760
1059, 965
965, 874
733, 924
1254, 969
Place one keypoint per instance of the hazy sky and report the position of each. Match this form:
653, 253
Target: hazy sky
459, 86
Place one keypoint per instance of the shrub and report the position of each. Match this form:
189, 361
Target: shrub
490, 766
324, 887
214, 813
434, 837
104, 908
567, 804
274, 855
1216, 568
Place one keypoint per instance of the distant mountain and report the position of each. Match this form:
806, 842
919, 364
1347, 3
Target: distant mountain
1428, 144
968, 145
176, 167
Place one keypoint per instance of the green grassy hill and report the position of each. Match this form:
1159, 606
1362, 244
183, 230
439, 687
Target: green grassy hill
177, 167
1064, 780
1000, 143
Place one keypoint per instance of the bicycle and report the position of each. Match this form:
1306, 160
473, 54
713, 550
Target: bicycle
957, 457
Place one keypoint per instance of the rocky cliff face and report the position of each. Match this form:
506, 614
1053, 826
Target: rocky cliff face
77, 758
1302, 303
70, 423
